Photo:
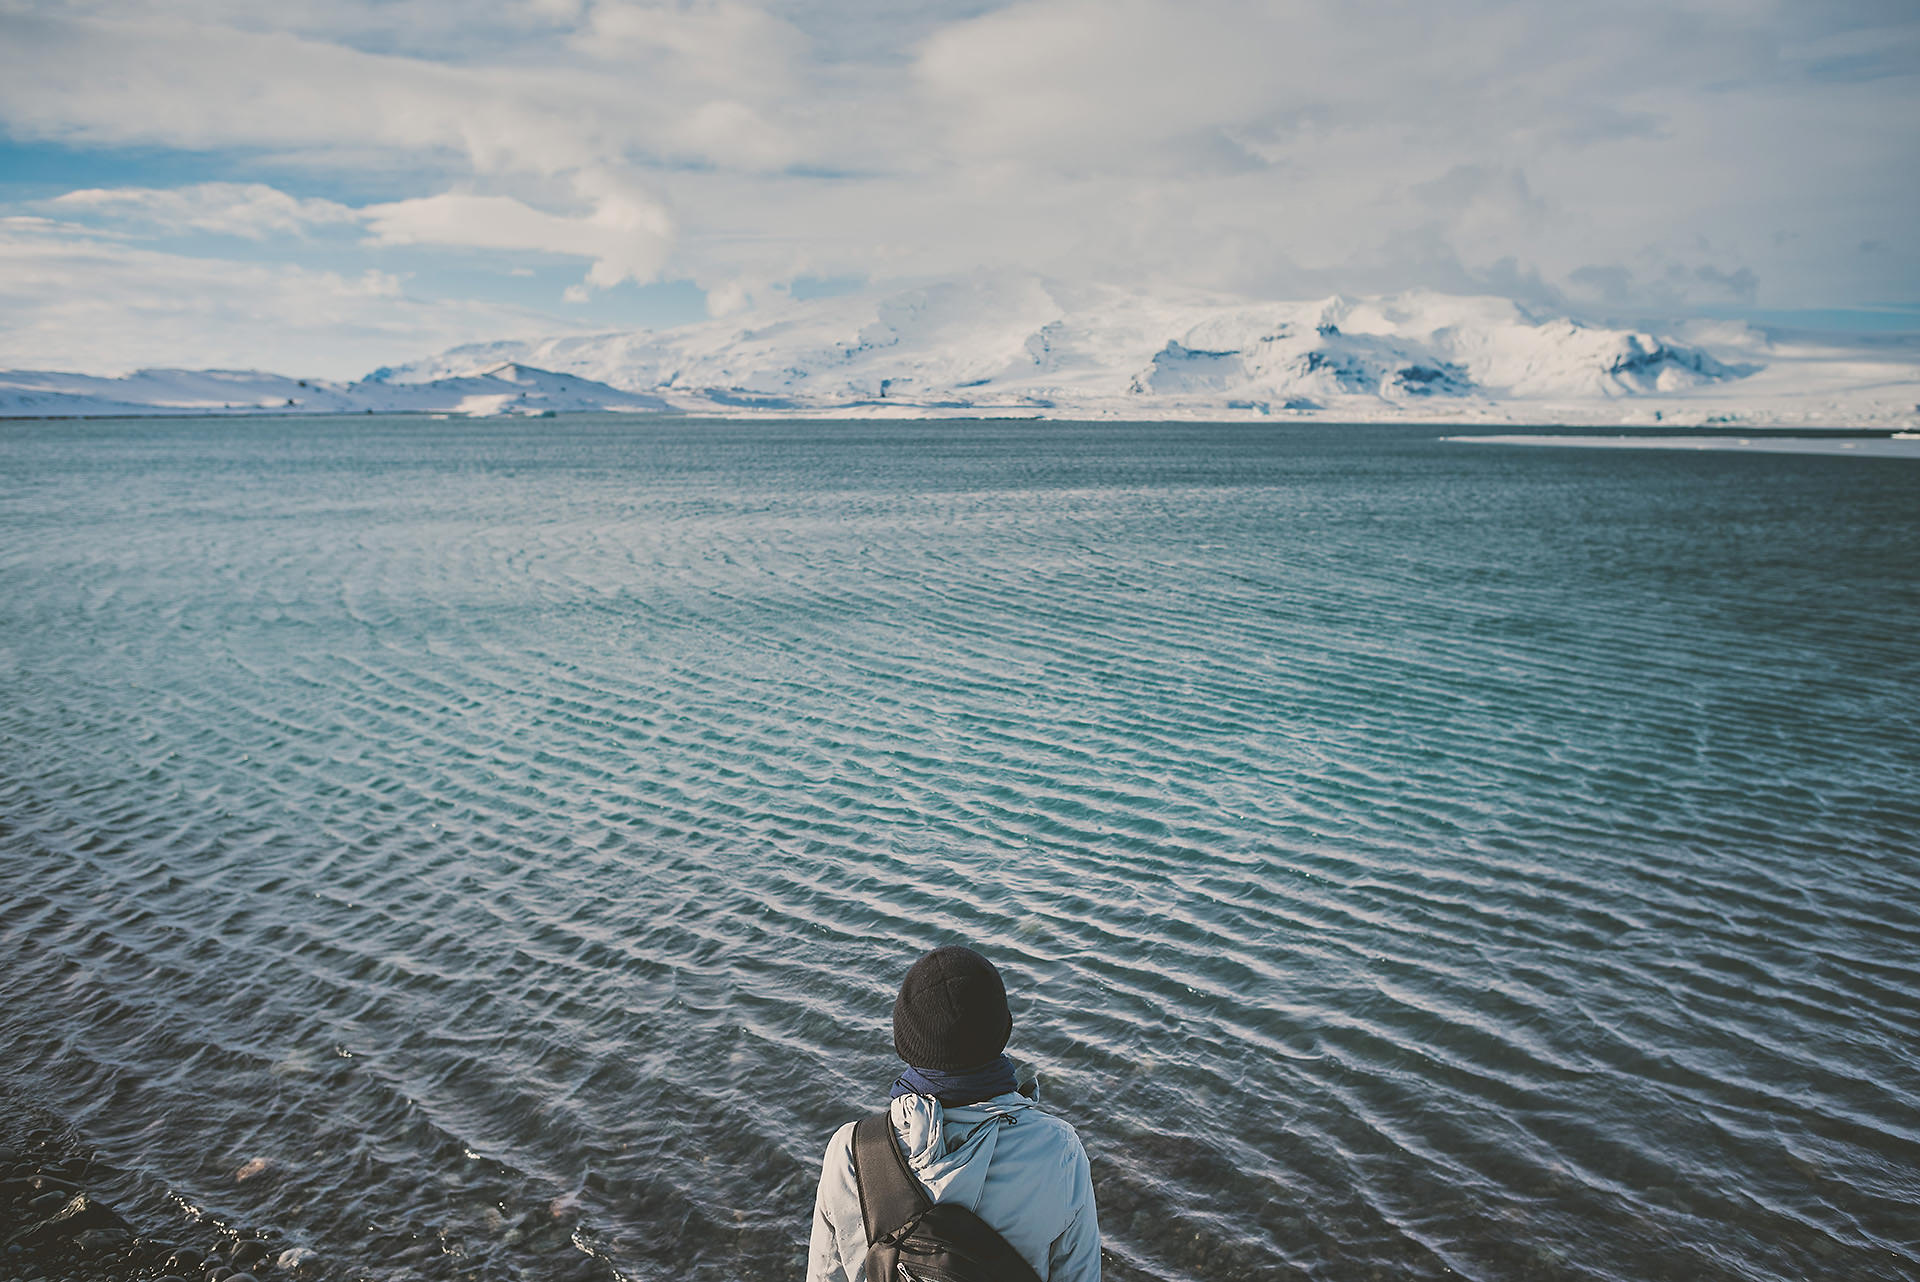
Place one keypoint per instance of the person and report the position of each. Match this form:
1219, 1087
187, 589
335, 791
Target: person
968, 1132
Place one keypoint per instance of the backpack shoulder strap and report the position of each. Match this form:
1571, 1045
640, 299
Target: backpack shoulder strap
889, 1195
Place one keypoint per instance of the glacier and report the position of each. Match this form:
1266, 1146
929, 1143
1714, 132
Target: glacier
1004, 344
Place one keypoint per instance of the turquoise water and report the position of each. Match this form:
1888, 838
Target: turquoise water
500, 842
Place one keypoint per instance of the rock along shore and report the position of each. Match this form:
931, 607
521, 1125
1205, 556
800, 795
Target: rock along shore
54, 1226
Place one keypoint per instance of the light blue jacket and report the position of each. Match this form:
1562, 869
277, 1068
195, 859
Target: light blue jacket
1026, 1176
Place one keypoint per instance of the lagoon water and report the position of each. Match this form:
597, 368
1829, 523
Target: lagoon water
488, 850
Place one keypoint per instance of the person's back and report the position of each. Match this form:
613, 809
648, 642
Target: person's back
969, 1136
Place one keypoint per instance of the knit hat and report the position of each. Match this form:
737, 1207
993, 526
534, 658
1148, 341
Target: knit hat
952, 1011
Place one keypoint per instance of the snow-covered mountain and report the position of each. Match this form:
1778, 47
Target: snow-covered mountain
1007, 344
1004, 344
500, 387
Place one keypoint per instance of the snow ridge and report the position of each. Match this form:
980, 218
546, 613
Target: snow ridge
1017, 344
1007, 344
504, 388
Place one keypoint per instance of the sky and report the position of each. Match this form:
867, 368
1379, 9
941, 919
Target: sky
323, 186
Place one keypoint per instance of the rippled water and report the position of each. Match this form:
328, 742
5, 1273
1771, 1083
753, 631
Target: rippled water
1410, 859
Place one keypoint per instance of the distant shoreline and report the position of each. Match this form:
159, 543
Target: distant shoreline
1554, 432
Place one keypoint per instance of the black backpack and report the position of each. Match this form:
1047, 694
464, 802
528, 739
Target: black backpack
911, 1239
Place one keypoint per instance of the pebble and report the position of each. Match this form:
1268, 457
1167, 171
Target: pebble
47, 1203
151, 1251
184, 1260
83, 1212
101, 1239
245, 1255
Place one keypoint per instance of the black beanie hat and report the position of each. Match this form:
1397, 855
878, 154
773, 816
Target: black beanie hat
952, 1011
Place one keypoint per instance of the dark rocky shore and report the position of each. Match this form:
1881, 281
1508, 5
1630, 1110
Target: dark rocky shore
56, 1227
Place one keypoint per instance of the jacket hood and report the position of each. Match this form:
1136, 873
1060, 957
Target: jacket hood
950, 1149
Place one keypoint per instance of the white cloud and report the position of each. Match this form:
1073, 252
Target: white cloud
93, 304
170, 82
625, 236
1655, 152
721, 42
1077, 83
250, 210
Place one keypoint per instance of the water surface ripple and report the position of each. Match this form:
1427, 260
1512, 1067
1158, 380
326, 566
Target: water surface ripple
1411, 859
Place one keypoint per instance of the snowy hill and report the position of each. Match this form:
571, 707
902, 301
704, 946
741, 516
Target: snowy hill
1002, 344
502, 387
1008, 344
